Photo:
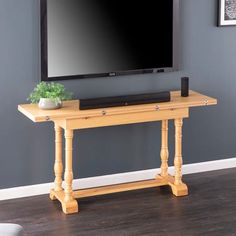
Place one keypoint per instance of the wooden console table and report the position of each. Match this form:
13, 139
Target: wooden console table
71, 118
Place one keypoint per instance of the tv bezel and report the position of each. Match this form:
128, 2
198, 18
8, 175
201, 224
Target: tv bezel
44, 51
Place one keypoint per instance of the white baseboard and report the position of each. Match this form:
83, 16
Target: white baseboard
39, 189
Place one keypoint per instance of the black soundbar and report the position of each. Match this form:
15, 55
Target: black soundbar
93, 103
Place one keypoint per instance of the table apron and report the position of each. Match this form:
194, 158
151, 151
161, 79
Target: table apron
121, 119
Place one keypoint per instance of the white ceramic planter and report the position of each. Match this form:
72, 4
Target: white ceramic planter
49, 104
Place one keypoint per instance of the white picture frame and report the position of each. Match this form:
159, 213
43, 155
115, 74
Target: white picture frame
227, 13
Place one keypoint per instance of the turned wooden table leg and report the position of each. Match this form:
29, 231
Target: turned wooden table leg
178, 151
58, 166
178, 187
69, 204
164, 176
164, 149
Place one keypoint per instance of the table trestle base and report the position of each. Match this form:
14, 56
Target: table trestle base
72, 207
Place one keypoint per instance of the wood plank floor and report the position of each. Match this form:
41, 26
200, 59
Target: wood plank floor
210, 209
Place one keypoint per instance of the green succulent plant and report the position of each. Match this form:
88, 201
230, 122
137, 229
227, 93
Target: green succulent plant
49, 90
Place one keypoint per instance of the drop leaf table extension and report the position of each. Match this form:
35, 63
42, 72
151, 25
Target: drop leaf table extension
70, 118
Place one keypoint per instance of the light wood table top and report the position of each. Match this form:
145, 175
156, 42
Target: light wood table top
71, 109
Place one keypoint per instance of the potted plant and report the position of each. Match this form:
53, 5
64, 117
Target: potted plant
49, 96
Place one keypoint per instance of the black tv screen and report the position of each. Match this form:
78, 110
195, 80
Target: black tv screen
94, 38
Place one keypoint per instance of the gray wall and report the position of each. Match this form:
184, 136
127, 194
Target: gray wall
27, 149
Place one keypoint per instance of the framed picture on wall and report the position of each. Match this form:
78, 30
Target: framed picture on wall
227, 13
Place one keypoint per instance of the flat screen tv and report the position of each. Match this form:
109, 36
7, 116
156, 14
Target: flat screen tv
97, 38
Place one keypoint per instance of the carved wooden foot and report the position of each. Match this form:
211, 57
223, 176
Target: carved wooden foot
70, 207
52, 195
179, 190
